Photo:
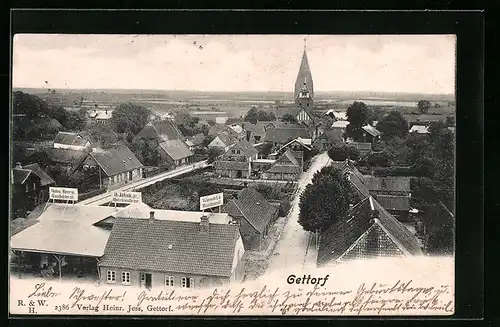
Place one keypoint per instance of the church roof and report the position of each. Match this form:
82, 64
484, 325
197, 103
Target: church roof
304, 75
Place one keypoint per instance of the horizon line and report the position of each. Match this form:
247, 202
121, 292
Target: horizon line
215, 91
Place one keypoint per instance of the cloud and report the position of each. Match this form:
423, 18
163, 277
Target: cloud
235, 63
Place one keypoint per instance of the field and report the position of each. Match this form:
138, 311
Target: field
236, 104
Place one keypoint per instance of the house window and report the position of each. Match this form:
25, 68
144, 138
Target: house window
169, 280
34, 186
126, 277
27, 188
111, 276
238, 151
187, 282
233, 151
257, 138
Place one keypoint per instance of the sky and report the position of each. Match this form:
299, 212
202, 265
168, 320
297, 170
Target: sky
383, 63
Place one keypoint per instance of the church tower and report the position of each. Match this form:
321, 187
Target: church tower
304, 82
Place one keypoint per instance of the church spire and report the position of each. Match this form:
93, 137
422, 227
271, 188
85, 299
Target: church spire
304, 76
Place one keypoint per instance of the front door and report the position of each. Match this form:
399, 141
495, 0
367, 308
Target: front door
145, 280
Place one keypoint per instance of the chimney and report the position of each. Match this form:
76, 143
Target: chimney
151, 215
204, 223
18, 165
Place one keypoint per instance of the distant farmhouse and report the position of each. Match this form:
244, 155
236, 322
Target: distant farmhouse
71, 141
100, 116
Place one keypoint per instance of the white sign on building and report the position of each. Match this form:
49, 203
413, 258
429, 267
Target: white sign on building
126, 197
63, 193
211, 201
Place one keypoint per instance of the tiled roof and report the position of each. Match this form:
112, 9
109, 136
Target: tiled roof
45, 178
176, 149
253, 207
164, 130
244, 146
400, 184
285, 134
361, 145
67, 138
333, 135
20, 175
116, 160
231, 165
286, 163
394, 202
340, 236
65, 156
227, 139
171, 246
221, 128
299, 140
371, 130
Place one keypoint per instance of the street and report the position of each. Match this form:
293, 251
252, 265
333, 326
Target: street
293, 248
106, 197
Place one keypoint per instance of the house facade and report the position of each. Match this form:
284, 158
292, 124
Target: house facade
174, 153
30, 187
286, 168
159, 254
115, 166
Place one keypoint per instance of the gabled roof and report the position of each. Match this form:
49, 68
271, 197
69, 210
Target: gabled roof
45, 178
221, 128
65, 156
171, 246
371, 130
116, 160
164, 130
302, 142
340, 236
253, 207
285, 134
355, 178
20, 175
286, 163
176, 149
332, 136
245, 146
67, 138
393, 183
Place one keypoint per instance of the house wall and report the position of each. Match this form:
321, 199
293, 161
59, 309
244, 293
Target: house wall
121, 179
238, 267
30, 194
158, 278
251, 238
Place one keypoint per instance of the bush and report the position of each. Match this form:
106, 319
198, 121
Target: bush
380, 159
284, 208
340, 153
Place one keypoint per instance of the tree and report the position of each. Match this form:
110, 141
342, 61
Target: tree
130, 118
213, 154
251, 115
102, 135
423, 106
145, 149
342, 152
75, 121
358, 116
325, 201
376, 114
28, 104
263, 115
379, 159
394, 124
289, 118
440, 227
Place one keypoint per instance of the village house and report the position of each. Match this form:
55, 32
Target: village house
393, 185
64, 240
328, 139
255, 217
195, 141
30, 187
278, 137
161, 131
367, 231
233, 169
419, 129
174, 153
363, 147
223, 141
371, 134
298, 144
241, 151
71, 141
396, 205
66, 159
100, 116
159, 254
340, 125
116, 166
218, 129
286, 168
255, 133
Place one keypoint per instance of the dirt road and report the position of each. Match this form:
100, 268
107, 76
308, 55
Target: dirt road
294, 246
